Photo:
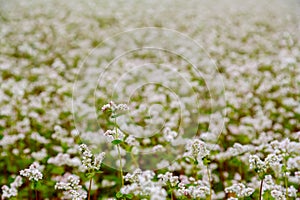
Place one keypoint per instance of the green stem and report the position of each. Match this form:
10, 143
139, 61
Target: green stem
260, 189
209, 180
121, 168
119, 153
134, 160
285, 181
90, 186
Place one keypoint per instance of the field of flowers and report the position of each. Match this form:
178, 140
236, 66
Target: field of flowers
150, 99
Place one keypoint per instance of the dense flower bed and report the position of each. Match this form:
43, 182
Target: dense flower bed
204, 106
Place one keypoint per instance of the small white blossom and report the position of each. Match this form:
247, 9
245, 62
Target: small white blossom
90, 161
33, 172
240, 190
12, 191
72, 190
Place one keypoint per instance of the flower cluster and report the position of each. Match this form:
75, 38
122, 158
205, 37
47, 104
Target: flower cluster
142, 184
199, 126
196, 149
89, 160
33, 172
240, 190
112, 106
72, 190
11, 191
192, 188
261, 166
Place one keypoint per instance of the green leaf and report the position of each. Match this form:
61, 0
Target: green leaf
129, 196
115, 142
119, 195
206, 161
58, 170
284, 168
90, 175
115, 116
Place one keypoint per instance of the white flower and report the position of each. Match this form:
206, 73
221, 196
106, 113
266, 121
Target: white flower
196, 149
168, 178
64, 159
257, 164
114, 107
8, 192
70, 183
90, 161
142, 184
240, 190
169, 135
33, 172
278, 195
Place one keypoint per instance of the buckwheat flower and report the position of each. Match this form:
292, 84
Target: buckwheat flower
64, 159
122, 107
110, 134
106, 107
169, 135
40, 155
292, 192
87, 156
240, 190
158, 148
168, 178
33, 172
196, 149
272, 160
98, 160
114, 107
142, 184
257, 164
8, 192
72, 183
78, 194
12, 191
131, 140
110, 106
17, 182
89, 160
72, 190
278, 195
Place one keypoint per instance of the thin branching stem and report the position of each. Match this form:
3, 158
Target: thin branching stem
260, 189
209, 180
90, 187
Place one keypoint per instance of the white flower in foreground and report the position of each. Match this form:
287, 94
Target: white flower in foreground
196, 149
33, 172
70, 183
257, 164
142, 184
89, 160
272, 160
114, 107
240, 190
261, 166
278, 195
168, 178
195, 189
8, 192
